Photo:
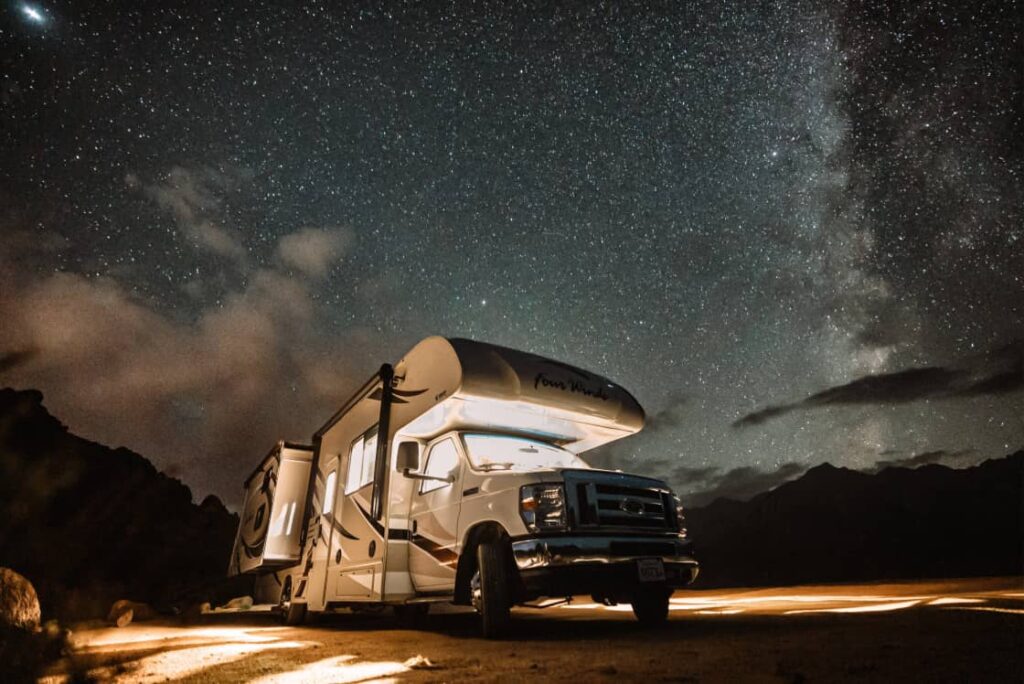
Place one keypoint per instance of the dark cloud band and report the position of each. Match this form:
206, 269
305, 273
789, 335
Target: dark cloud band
997, 372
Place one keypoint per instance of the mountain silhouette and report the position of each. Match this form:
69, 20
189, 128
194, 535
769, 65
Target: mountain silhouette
839, 525
89, 525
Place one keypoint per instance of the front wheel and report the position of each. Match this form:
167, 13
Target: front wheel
650, 605
492, 588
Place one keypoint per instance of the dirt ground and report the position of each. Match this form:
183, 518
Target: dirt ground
966, 630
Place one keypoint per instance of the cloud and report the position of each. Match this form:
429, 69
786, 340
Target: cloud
11, 360
668, 417
940, 456
313, 251
997, 372
203, 397
192, 197
701, 486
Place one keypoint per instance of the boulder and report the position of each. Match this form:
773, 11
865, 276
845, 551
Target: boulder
123, 612
239, 603
19, 605
123, 617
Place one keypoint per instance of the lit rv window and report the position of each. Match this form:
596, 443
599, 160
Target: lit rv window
361, 460
329, 493
504, 452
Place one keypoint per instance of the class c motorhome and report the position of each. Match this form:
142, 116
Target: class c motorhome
458, 475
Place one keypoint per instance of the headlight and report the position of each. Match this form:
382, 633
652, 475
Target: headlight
542, 507
680, 518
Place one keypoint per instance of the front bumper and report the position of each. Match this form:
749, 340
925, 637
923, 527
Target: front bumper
600, 565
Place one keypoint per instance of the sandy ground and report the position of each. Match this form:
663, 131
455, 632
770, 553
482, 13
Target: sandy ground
968, 630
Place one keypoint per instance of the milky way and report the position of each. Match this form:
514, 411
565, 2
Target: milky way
218, 221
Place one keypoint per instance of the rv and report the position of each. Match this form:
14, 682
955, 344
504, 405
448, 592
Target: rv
459, 475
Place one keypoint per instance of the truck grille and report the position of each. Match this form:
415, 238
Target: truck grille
620, 505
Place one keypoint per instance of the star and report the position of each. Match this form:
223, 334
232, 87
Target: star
33, 14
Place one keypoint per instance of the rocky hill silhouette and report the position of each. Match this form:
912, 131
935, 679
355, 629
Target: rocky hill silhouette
839, 525
89, 525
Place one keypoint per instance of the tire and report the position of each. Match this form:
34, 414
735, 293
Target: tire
650, 605
291, 613
492, 589
295, 613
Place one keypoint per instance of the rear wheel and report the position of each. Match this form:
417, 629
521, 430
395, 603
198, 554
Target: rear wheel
650, 605
293, 613
492, 588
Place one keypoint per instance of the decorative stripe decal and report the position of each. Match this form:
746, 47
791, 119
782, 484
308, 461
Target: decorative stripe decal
340, 529
442, 555
393, 533
408, 393
397, 395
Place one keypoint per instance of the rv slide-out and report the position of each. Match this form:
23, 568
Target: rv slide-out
269, 531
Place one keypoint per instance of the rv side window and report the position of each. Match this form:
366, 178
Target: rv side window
442, 460
361, 460
329, 489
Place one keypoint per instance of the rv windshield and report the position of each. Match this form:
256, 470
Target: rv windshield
504, 452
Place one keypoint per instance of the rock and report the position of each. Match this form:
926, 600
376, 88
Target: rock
418, 662
238, 603
19, 605
123, 612
124, 617
196, 609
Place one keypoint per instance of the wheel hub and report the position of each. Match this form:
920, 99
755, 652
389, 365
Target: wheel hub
476, 594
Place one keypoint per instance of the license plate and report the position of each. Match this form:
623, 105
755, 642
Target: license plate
650, 570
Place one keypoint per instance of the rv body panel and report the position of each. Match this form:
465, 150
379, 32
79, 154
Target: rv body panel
487, 387
345, 554
497, 499
360, 551
270, 526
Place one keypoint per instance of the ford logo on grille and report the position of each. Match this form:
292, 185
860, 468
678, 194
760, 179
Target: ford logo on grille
631, 506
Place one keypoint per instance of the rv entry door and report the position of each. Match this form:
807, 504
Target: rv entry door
325, 503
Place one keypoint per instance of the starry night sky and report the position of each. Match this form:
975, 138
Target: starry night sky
218, 221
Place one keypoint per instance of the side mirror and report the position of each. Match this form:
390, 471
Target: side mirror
408, 456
